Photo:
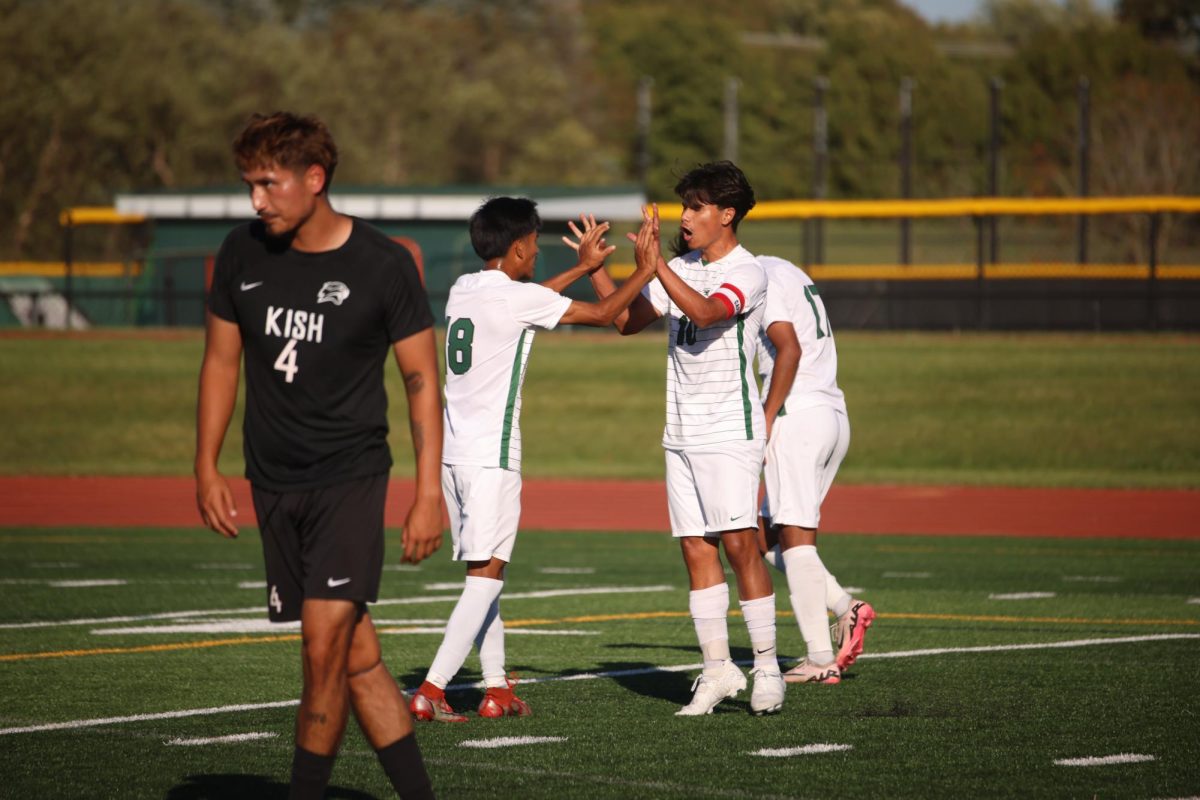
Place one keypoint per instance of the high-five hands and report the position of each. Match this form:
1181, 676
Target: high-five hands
647, 247
589, 242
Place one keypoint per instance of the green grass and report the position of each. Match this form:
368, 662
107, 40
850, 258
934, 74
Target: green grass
957, 724
1031, 410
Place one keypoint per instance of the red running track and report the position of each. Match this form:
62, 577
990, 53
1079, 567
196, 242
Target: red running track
641, 506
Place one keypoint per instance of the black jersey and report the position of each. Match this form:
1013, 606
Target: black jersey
316, 330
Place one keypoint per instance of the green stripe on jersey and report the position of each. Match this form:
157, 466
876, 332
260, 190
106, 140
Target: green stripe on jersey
741, 329
514, 388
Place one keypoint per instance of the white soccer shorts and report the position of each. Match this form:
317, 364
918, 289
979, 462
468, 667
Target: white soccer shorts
803, 455
485, 507
713, 488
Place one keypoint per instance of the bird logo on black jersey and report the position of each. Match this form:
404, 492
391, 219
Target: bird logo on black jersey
333, 292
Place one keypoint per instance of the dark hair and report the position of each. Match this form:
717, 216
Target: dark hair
286, 140
499, 222
719, 183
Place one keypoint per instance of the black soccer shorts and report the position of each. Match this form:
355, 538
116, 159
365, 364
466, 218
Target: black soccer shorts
322, 543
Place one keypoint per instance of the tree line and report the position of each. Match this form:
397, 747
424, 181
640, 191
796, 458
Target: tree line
133, 95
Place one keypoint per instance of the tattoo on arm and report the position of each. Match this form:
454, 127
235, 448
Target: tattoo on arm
414, 382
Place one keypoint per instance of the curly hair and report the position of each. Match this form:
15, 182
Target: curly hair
286, 140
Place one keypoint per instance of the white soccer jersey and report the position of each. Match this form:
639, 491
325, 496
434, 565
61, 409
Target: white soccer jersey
712, 396
793, 298
489, 332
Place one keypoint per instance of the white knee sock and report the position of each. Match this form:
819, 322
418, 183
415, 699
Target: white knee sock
806, 577
465, 623
774, 558
490, 643
836, 599
710, 608
760, 621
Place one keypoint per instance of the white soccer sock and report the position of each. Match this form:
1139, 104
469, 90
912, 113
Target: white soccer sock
490, 643
774, 558
465, 623
806, 577
760, 621
836, 598
710, 608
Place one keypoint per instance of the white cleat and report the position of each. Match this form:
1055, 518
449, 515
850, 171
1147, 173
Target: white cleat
708, 691
767, 695
808, 672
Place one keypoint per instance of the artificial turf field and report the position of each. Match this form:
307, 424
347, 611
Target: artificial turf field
138, 664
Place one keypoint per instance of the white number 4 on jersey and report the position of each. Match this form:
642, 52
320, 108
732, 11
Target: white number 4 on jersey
286, 363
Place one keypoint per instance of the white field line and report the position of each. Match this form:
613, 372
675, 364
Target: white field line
567, 570
1022, 596
233, 737
1193, 601
908, 574
804, 750
510, 741
1092, 578
60, 583
252, 584
1103, 761
1003, 648
197, 712
507, 631
444, 587
397, 601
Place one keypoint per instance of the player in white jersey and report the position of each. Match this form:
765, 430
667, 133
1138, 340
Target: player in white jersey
490, 320
713, 294
809, 433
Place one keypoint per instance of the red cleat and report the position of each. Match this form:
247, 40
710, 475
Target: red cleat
429, 703
502, 702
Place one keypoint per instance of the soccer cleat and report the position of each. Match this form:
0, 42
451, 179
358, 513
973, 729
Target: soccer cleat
708, 691
429, 703
502, 702
767, 695
850, 630
808, 672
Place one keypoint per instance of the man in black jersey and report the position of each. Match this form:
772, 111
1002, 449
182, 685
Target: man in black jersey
316, 299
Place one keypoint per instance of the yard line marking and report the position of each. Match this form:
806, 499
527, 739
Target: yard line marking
507, 630
1102, 761
804, 750
401, 568
233, 737
207, 626
567, 570
1039, 620
1022, 596
91, 723
1003, 648
387, 602
441, 587
1194, 601
60, 583
189, 712
252, 584
148, 648
510, 741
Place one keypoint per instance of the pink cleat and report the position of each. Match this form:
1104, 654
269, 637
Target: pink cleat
850, 630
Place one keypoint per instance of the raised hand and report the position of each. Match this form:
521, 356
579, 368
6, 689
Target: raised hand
589, 243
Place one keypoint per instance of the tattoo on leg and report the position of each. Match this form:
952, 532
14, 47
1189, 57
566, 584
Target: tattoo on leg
315, 717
